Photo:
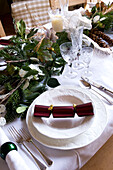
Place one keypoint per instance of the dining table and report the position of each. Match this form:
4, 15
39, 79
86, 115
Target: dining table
78, 150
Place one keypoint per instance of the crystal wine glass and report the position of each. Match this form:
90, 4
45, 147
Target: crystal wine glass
64, 5
87, 53
76, 38
68, 54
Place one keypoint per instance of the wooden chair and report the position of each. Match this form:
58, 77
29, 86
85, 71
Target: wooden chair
2, 32
55, 3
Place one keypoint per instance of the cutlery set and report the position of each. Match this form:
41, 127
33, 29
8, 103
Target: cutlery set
88, 83
21, 136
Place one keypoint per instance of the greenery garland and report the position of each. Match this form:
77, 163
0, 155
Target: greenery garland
22, 83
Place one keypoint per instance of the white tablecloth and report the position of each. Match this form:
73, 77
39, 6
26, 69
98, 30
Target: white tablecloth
102, 68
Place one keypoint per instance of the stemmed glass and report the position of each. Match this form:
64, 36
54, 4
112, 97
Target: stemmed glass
68, 53
87, 53
76, 38
64, 5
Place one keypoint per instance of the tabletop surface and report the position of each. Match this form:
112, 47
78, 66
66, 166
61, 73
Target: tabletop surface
102, 67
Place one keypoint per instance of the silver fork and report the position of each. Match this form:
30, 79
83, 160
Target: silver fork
28, 138
19, 139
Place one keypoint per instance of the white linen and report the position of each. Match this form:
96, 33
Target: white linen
13, 158
102, 67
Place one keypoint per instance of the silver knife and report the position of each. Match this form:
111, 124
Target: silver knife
96, 85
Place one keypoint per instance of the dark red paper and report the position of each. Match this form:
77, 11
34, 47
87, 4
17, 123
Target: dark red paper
63, 111
41, 111
84, 109
4, 42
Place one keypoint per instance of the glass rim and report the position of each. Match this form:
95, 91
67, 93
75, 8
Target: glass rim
64, 44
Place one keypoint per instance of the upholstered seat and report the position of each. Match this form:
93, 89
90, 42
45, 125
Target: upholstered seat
32, 12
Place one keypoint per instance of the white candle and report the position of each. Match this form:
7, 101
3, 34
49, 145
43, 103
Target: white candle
57, 23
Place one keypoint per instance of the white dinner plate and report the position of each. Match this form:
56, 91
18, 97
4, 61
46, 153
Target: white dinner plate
61, 128
98, 123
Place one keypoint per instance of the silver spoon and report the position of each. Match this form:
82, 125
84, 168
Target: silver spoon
86, 84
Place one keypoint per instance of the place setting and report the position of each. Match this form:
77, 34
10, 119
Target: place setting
56, 96
59, 129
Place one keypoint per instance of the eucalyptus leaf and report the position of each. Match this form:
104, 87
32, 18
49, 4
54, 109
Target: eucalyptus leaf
21, 109
32, 96
30, 73
32, 32
38, 87
21, 28
53, 82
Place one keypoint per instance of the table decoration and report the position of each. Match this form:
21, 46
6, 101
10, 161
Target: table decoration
56, 20
10, 153
64, 111
101, 16
30, 61
4, 42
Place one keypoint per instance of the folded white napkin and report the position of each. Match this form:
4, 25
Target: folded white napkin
13, 158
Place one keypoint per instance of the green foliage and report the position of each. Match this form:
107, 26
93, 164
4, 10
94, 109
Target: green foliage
62, 37
108, 22
11, 106
22, 52
105, 24
52, 82
21, 28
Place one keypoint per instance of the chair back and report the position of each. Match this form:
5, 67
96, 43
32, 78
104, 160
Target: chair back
32, 12
2, 32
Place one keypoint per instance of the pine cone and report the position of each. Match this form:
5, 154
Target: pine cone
103, 36
98, 40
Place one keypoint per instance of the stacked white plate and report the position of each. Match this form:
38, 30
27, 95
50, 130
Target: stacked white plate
67, 133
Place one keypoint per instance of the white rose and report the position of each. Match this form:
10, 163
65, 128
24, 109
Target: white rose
2, 108
96, 18
102, 18
36, 67
74, 19
85, 22
2, 121
26, 85
22, 73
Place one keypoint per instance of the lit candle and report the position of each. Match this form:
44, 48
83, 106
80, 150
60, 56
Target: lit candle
57, 23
